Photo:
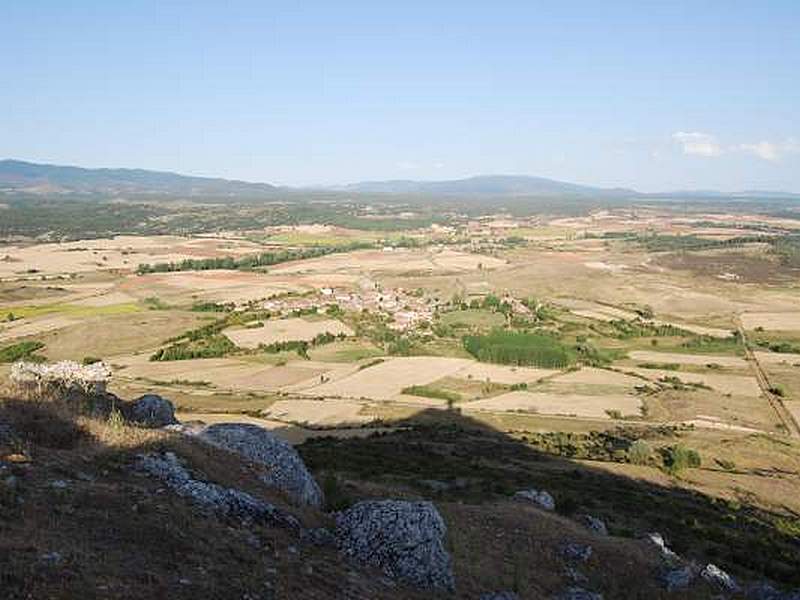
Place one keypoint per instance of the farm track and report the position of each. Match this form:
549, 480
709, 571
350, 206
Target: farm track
785, 417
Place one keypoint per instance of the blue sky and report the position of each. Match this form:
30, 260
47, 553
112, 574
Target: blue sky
653, 95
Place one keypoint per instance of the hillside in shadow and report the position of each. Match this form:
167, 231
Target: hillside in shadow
77, 519
469, 468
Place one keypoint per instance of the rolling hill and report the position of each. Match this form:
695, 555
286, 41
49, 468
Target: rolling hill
23, 176
500, 185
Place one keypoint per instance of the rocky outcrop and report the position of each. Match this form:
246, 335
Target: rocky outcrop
60, 376
151, 410
577, 552
213, 498
283, 467
658, 541
540, 498
404, 539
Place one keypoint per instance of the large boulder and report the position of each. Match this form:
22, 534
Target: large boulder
719, 578
284, 469
151, 410
404, 539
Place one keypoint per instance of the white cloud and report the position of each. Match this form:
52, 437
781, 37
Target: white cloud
772, 151
698, 144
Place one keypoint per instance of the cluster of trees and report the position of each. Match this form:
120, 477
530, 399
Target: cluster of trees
624, 329
663, 243
788, 249
781, 346
19, 351
212, 307
214, 346
519, 348
253, 261
301, 346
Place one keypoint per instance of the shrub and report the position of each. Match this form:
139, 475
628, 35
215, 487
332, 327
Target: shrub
431, 392
678, 458
640, 452
778, 390
336, 497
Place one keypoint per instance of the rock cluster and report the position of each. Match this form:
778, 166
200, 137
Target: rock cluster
225, 502
61, 376
542, 499
283, 467
404, 539
594, 524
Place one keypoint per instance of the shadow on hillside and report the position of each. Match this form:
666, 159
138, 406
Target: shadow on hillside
442, 455
448, 457
78, 519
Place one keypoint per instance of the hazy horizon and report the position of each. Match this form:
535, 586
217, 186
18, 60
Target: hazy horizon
654, 98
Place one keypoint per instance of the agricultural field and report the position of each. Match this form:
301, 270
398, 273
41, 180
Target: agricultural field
574, 336
585, 316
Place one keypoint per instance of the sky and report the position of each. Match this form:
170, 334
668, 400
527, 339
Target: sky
651, 95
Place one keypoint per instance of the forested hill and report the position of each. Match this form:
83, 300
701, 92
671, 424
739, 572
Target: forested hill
22, 176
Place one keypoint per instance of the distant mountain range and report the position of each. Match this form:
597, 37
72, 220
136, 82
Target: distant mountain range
22, 176
500, 185
42, 179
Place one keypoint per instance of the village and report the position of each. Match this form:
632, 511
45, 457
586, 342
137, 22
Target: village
405, 310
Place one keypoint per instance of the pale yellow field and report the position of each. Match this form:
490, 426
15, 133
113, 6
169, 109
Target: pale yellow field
726, 384
121, 252
386, 381
593, 376
687, 359
222, 373
559, 404
26, 327
324, 413
215, 285
401, 260
294, 434
772, 321
778, 358
284, 330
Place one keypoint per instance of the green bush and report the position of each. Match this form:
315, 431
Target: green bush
778, 390
678, 458
431, 392
15, 352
